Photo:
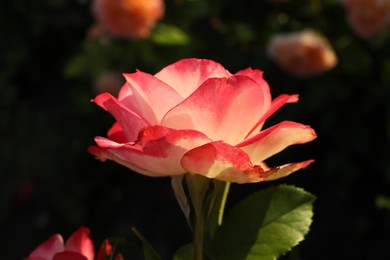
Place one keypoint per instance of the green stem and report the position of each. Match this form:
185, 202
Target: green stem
217, 206
198, 238
198, 187
223, 202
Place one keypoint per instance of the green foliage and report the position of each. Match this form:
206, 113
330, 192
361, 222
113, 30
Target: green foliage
265, 225
186, 252
149, 252
169, 35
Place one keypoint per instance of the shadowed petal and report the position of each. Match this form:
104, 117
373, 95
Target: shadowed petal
115, 133
150, 97
276, 139
68, 255
223, 162
222, 108
157, 151
186, 75
130, 122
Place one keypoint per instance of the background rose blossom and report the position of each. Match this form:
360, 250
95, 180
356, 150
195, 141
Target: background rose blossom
128, 18
302, 53
368, 17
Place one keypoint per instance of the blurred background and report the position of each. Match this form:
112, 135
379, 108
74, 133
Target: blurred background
56, 55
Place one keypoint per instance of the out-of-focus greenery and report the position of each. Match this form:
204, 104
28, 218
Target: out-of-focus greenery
49, 183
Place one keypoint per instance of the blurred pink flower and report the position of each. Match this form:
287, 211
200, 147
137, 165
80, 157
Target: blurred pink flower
107, 250
302, 53
196, 117
128, 18
78, 247
368, 17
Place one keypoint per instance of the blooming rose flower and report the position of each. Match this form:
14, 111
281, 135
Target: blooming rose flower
128, 18
302, 53
78, 247
368, 17
196, 117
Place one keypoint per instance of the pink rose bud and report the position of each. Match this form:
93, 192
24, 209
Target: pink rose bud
368, 17
302, 54
196, 117
128, 18
78, 247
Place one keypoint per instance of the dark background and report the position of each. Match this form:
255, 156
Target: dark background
49, 183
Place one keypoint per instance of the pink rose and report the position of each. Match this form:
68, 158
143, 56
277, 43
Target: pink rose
368, 17
128, 18
302, 53
196, 117
78, 247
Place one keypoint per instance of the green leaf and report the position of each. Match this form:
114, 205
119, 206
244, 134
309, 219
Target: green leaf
185, 252
265, 225
169, 35
149, 252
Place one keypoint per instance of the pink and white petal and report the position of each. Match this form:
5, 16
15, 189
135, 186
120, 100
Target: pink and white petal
276, 139
49, 248
257, 75
157, 152
285, 170
125, 94
217, 107
222, 161
80, 242
116, 134
130, 122
277, 103
104, 154
150, 97
186, 75
68, 255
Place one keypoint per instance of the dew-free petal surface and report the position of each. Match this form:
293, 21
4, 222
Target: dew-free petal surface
222, 108
223, 162
186, 75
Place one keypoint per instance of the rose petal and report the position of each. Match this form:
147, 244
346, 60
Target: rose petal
150, 97
277, 103
116, 134
223, 162
157, 152
49, 248
275, 139
186, 75
80, 242
67, 255
105, 153
130, 122
222, 108
105, 249
257, 75
285, 170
